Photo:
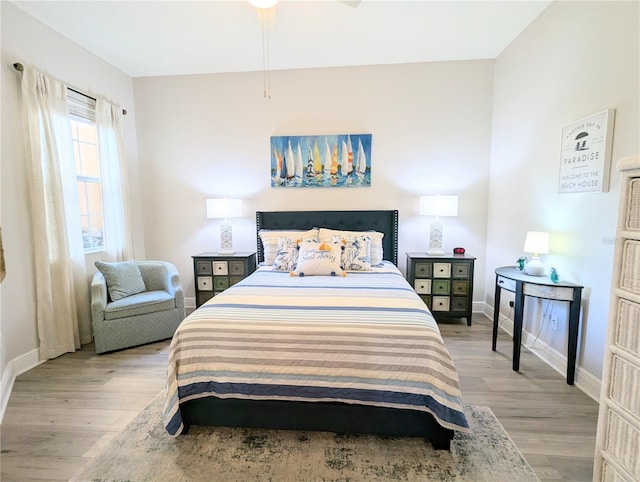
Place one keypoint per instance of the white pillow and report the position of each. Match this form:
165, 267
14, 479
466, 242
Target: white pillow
356, 252
326, 235
319, 259
269, 240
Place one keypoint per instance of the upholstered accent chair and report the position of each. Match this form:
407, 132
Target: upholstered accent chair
135, 302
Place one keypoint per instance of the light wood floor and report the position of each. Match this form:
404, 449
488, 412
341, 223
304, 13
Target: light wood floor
64, 411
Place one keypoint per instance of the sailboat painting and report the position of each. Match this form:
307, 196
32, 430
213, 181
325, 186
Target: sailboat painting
342, 160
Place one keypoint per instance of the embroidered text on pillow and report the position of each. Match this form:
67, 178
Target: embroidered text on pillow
319, 259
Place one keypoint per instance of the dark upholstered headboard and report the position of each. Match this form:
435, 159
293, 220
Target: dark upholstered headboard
383, 221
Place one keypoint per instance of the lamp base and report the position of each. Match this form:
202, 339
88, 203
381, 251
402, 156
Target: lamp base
534, 267
435, 239
226, 242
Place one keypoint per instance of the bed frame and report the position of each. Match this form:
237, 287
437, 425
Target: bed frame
321, 416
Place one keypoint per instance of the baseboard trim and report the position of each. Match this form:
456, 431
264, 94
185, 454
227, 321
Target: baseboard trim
584, 380
190, 303
6, 385
15, 368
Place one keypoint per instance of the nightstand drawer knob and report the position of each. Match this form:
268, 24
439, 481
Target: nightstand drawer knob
205, 283
440, 303
220, 268
422, 286
441, 270
204, 267
506, 283
236, 267
423, 270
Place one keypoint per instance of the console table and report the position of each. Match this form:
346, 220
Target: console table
520, 283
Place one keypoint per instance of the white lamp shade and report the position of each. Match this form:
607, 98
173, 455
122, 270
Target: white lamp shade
224, 208
439, 205
536, 242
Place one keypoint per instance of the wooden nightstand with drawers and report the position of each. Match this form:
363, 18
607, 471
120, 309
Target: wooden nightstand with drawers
214, 273
445, 283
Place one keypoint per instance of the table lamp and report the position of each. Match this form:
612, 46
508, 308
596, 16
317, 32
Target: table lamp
224, 209
437, 206
536, 242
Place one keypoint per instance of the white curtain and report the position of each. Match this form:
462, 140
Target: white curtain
62, 295
118, 243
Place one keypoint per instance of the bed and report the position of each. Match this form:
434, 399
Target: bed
358, 353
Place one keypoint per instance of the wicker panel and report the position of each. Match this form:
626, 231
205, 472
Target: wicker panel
628, 326
625, 385
630, 277
609, 474
633, 208
623, 443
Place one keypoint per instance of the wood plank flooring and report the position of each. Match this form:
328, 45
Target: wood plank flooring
64, 411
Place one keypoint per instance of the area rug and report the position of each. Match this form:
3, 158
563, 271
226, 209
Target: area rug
143, 451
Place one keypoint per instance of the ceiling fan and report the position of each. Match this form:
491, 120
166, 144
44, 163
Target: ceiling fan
265, 9
271, 3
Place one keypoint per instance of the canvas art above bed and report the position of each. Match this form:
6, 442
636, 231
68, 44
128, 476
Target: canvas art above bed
321, 161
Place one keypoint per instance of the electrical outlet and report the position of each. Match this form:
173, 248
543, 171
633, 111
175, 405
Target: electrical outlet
554, 324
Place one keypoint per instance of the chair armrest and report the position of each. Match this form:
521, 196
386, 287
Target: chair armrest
163, 275
176, 288
99, 297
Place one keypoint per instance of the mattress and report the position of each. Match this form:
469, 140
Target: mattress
366, 338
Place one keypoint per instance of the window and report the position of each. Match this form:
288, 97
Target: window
84, 136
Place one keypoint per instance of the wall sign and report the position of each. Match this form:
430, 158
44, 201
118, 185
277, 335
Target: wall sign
585, 159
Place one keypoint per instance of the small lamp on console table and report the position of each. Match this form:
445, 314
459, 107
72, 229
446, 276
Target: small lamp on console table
224, 209
437, 206
536, 242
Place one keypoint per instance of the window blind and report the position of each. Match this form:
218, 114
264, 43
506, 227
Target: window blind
81, 105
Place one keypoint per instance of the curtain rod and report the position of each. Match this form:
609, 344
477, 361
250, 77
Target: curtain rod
20, 68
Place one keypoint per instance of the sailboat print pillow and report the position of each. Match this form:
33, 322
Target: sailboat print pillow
377, 255
287, 255
356, 252
269, 240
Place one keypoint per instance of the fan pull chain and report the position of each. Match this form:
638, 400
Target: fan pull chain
266, 68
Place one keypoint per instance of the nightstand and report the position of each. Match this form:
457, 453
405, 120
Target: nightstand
214, 273
445, 283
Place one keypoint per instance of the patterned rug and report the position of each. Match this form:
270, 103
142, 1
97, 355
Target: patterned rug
143, 451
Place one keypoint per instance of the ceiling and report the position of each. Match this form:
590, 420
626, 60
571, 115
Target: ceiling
153, 38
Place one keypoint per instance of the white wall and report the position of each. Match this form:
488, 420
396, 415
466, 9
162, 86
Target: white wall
576, 59
27, 41
208, 136
204, 136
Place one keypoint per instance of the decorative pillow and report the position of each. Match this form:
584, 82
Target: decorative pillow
356, 252
319, 259
123, 278
377, 255
287, 255
269, 240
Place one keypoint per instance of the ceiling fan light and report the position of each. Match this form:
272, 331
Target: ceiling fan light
263, 3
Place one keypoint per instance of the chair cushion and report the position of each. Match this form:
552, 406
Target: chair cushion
139, 304
123, 278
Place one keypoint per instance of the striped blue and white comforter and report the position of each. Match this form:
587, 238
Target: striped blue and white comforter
366, 338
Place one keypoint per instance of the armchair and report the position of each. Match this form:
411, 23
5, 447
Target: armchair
152, 315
